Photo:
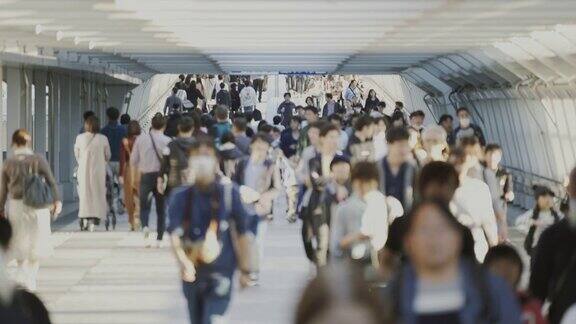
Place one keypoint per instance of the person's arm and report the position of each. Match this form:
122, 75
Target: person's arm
166, 105
489, 224
77, 149
499, 211
123, 155
3, 190
135, 156
200, 95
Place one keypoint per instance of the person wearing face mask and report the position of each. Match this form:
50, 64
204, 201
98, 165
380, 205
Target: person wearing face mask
360, 146
554, 261
467, 128
208, 228
417, 120
259, 173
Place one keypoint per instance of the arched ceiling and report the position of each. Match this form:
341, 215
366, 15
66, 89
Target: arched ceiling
438, 44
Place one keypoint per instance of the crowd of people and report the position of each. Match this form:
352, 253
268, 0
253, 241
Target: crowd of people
402, 221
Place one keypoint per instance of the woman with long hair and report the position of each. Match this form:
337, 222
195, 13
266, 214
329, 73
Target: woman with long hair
92, 152
130, 177
371, 102
31, 225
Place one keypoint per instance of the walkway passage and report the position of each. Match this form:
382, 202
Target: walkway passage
108, 277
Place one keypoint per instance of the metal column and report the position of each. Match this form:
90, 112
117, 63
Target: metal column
40, 124
17, 110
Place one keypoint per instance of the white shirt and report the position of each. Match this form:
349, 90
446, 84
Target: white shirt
525, 221
343, 141
248, 97
380, 146
472, 205
375, 219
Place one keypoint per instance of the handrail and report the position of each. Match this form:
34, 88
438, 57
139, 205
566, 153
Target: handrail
534, 175
152, 105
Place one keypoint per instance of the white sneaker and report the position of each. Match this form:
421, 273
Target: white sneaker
91, 227
147, 242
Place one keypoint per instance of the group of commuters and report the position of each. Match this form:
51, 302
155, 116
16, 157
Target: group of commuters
402, 221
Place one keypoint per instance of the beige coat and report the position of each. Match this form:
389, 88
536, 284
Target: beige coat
92, 153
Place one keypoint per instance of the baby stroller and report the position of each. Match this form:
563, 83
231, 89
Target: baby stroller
112, 190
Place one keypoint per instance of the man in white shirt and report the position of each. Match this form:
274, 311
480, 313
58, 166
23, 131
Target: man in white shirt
248, 98
147, 158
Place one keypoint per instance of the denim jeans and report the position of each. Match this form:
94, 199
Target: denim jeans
208, 299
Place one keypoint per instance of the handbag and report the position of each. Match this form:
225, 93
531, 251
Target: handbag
37, 192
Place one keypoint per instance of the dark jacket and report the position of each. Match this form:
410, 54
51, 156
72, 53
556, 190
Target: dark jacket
488, 299
371, 104
288, 144
229, 154
409, 182
172, 124
337, 109
553, 265
193, 95
286, 109
235, 100
219, 129
223, 98
176, 161
172, 102
115, 133
477, 132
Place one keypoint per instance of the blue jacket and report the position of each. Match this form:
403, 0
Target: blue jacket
115, 133
502, 305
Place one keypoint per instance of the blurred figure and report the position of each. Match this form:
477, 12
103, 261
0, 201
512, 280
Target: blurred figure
223, 96
115, 133
17, 305
446, 121
338, 295
130, 176
438, 284
360, 146
435, 144
493, 158
286, 109
248, 98
533, 222
336, 120
241, 141
222, 124
289, 138
371, 102
30, 223
379, 138
466, 128
234, 97
504, 261
554, 261
173, 102
92, 153
229, 155
331, 106
417, 120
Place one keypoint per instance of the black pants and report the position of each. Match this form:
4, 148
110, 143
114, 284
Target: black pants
259, 87
147, 190
315, 237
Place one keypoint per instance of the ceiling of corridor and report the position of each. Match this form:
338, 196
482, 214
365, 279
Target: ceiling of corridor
361, 36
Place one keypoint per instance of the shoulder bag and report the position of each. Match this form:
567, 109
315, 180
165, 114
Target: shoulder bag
37, 192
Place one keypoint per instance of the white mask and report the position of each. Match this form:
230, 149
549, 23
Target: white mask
464, 122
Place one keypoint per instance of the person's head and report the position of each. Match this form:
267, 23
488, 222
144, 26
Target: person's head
314, 132
336, 120
353, 83
438, 180
185, 127
309, 101
92, 125
287, 96
263, 126
364, 177
434, 239
329, 97
5, 234
372, 94
434, 142
493, 155
277, 120
397, 119
220, 77
447, 122
380, 125
544, 197
463, 116
239, 126
112, 113
227, 137
399, 105
133, 129
257, 115
182, 77
222, 85
158, 122
503, 260
203, 162
259, 146
338, 295
125, 119
329, 138
276, 133
295, 123
340, 168
398, 147
472, 148
417, 119
192, 85
380, 106
88, 114
21, 138
221, 113
188, 78
301, 111
175, 90
246, 83
233, 87
363, 127
311, 114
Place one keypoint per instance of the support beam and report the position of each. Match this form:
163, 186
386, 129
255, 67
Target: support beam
66, 137
40, 120
17, 110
